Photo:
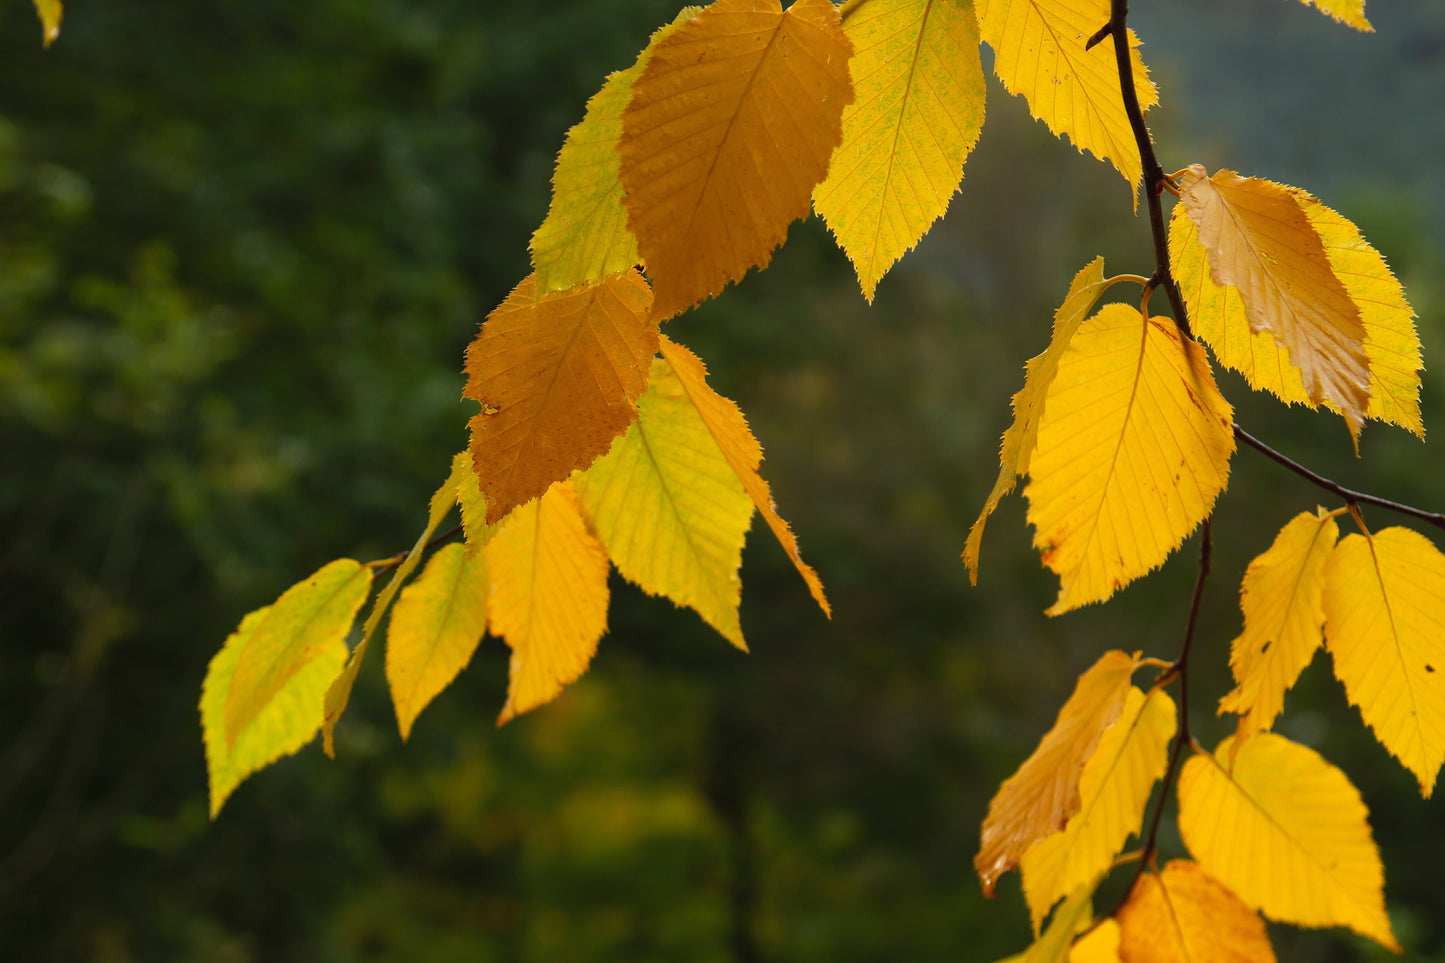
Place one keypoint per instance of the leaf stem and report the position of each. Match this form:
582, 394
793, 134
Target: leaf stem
382, 564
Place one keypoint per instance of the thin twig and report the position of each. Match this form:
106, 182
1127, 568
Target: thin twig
1350, 496
382, 564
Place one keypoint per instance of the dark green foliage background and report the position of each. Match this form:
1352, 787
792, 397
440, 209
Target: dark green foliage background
242, 246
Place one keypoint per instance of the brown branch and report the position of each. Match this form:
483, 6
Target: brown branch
382, 564
1350, 496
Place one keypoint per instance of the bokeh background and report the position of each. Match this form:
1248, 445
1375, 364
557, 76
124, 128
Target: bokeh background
242, 246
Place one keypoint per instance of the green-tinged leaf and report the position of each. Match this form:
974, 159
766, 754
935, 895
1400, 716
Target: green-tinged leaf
287, 721
1287, 832
919, 91
1384, 603
442, 500
434, 629
1076, 913
308, 617
585, 236
669, 508
1028, 403
1282, 598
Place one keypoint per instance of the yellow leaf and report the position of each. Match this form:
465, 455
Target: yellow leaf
585, 236
1133, 448
1287, 832
1038, 800
668, 507
1113, 791
918, 110
1028, 402
472, 503
50, 14
1039, 52
438, 621
287, 721
1259, 240
558, 377
549, 596
339, 694
730, 127
1099, 945
1385, 626
308, 618
1283, 615
1351, 12
1183, 915
736, 442
1392, 347
1074, 915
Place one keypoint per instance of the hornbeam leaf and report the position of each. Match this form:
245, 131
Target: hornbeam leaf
50, 14
730, 430
1099, 945
919, 109
436, 626
1039, 52
1351, 12
1184, 915
558, 376
288, 720
1287, 832
1073, 916
730, 127
585, 236
1384, 608
1282, 598
549, 596
309, 617
1258, 239
1392, 346
1133, 448
458, 483
668, 507
1039, 799
1028, 402
1113, 791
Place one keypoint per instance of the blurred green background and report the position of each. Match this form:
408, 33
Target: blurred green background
242, 246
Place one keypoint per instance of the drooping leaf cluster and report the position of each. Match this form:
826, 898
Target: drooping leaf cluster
599, 443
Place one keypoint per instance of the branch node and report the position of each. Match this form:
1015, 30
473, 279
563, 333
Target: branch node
1099, 35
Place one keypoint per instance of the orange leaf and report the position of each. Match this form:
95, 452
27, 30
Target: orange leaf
1038, 800
549, 596
1184, 915
558, 378
1260, 241
731, 125
743, 453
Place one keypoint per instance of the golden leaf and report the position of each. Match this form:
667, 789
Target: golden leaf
287, 721
1073, 916
1028, 402
50, 13
1038, 800
1039, 52
1099, 945
435, 628
1384, 605
585, 236
736, 442
1283, 615
1113, 791
549, 596
1183, 915
919, 91
1287, 832
1133, 448
1259, 240
730, 127
668, 507
338, 695
558, 376
1351, 12
1392, 347
308, 618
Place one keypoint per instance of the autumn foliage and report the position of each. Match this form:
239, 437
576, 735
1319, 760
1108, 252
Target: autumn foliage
599, 443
